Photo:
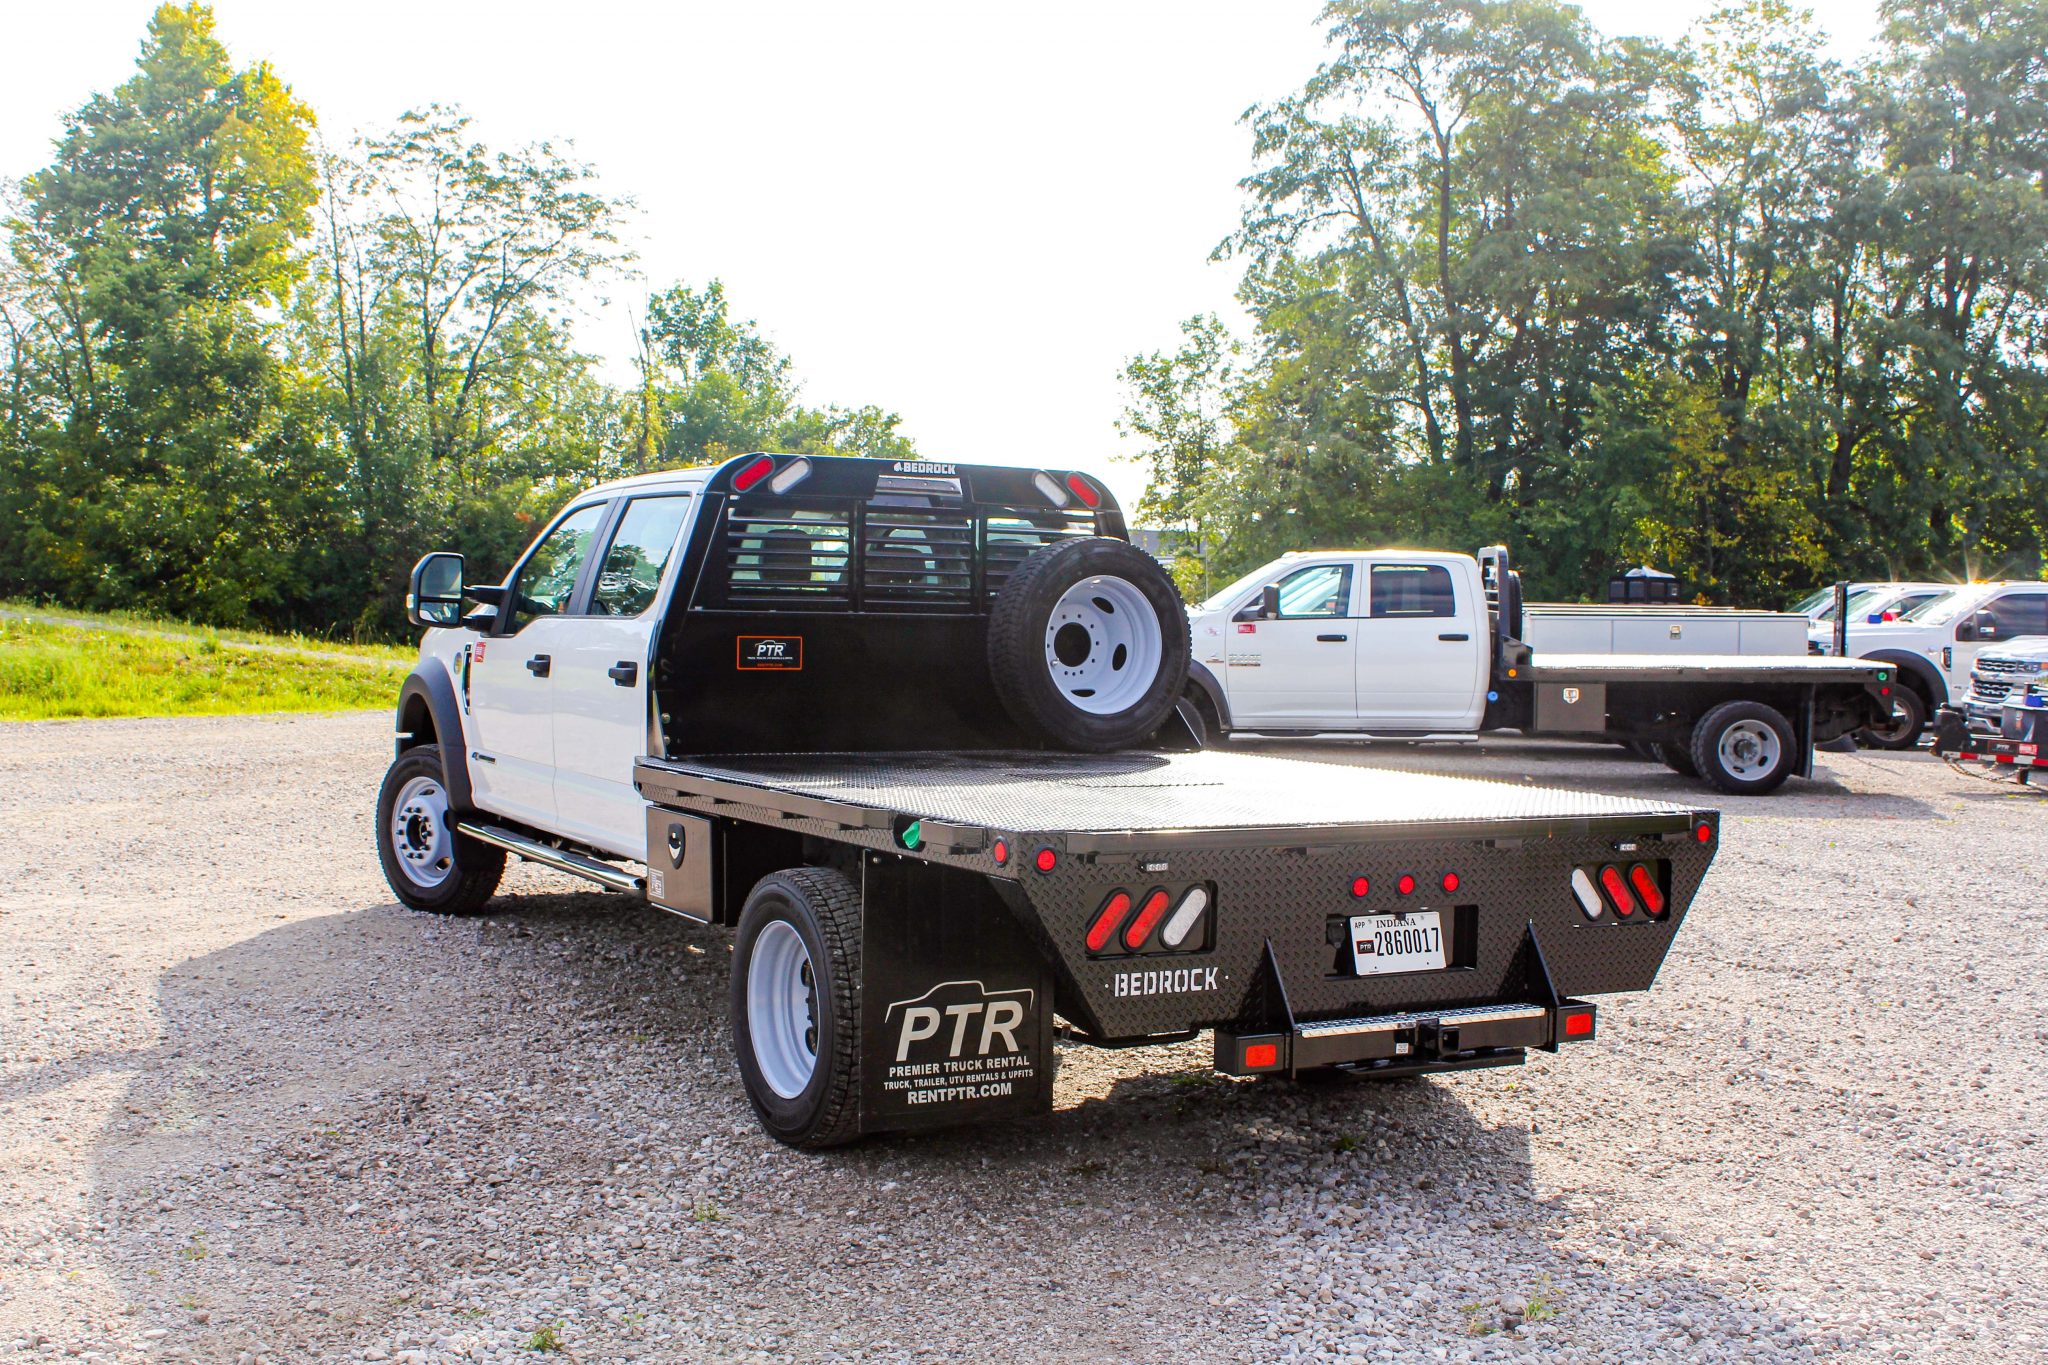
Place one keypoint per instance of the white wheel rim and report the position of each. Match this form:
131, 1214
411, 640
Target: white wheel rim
782, 1009
420, 833
1749, 749
1103, 645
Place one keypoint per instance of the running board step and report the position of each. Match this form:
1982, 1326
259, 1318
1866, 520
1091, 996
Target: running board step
1447, 1038
575, 864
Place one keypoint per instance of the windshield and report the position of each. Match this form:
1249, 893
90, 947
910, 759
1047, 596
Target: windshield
1230, 594
1806, 604
1938, 612
1859, 603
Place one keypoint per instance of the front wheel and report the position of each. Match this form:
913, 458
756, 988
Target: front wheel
1902, 731
796, 1005
427, 861
1743, 748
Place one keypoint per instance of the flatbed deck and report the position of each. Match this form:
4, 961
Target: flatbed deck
1103, 801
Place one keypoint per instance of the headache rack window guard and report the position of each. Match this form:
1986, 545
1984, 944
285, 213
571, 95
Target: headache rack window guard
844, 554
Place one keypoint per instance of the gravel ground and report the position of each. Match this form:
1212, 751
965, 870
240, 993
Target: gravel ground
251, 1110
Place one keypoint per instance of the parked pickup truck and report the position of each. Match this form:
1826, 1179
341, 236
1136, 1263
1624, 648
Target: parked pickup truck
1424, 644
913, 731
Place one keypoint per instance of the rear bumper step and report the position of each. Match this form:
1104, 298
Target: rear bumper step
1476, 1035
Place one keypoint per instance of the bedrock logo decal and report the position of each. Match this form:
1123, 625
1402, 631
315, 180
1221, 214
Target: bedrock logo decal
1168, 981
960, 1041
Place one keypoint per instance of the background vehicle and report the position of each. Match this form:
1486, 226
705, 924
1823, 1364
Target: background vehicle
1427, 644
2003, 674
835, 704
1935, 646
1869, 602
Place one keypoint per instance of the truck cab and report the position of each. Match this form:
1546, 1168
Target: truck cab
1935, 647
1384, 641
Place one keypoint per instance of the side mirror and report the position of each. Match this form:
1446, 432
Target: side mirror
1269, 602
435, 596
1982, 626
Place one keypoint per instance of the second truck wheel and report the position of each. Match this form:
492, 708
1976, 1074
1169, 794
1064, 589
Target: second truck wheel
796, 1005
1743, 748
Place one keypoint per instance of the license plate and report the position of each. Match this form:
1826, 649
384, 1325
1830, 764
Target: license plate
1413, 942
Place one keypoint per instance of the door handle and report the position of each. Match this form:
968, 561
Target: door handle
538, 665
1331, 639
1459, 636
625, 672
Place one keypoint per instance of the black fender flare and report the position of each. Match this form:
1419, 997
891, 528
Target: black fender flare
1916, 667
1202, 680
429, 694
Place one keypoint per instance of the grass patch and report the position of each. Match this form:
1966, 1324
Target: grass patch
136, 620
50, 672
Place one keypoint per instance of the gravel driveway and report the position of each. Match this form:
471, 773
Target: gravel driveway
251, 1110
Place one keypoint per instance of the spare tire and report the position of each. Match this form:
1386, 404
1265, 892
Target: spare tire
1088, 644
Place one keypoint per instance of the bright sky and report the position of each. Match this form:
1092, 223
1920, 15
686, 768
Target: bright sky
969, 214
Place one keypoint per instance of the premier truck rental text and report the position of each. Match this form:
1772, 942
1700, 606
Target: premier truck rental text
916, 732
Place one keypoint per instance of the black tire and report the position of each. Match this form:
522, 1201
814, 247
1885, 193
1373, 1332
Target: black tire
1742, 768
823, 907
1676, 757
1025, 647
469, 871
1909, 719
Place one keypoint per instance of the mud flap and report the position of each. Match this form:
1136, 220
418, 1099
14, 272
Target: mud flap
956, 1002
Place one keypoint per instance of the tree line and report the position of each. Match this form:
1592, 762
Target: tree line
1726, 305
246, 378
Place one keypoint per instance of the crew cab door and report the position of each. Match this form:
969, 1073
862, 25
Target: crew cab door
511, 672
602, 719
1297, 670
1422, 652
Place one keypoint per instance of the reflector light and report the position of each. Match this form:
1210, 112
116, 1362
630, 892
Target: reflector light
913, 834
1047, 860
1360, 885
1406, 886
1578, 1025
1617, 890
760, 469
1705, 833
1260, 1055
1149, 915
1050, 488
1106, 921
1450, 881
1084, 490
789, 476
1645, 883
1588, 898
1186, 916
1002, 852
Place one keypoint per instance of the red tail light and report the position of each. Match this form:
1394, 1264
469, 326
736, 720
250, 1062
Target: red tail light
1645, 882
1002, 852
1450, 881
1106, 921
1406, 886
1359, 886
759, 469
1617, 890
1046, 860
1578, 1024
1149, 915
1084, 490
1261, 1056
1704, 833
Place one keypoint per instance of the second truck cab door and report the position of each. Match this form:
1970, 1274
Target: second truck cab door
1297, 670
1423, 649
602, 712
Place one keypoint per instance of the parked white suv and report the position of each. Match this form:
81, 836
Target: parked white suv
1869, 603
1936, 645
2002, 674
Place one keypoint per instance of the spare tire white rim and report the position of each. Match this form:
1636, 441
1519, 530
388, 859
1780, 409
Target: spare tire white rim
420, 835
1749, 750
782, 1009
1103, 645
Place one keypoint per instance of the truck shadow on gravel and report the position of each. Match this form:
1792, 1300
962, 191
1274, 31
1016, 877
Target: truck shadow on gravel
374, 1131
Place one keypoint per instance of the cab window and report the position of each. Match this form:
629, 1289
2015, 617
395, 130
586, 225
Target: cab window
1412, 590
630, 574
2015, 614
1314, 592
547, 580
